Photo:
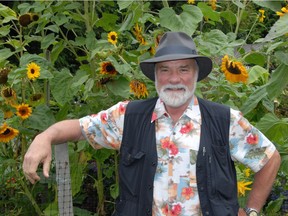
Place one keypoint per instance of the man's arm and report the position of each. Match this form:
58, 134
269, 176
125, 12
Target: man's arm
263, 182
40, 149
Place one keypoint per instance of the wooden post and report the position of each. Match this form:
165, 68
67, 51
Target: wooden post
65, 203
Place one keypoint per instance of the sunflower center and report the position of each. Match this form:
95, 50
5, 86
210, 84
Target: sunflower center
7, 93
23, 111
110, 68
7, 131
113, 37
233, 68
32, 71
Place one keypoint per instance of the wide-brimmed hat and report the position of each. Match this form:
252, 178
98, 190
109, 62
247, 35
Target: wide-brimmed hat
175, 46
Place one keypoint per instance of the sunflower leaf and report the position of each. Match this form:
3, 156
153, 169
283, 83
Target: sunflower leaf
186, 22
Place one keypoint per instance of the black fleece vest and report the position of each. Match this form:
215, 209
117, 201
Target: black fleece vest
215, 171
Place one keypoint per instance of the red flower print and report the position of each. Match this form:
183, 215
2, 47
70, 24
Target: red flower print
186, 128
122, 108
173, 149
252, 139
187, 193
165, 210
165, 143
103, 117
154, 116
176, 210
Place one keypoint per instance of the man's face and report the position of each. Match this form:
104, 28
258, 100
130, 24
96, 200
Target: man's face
176, 81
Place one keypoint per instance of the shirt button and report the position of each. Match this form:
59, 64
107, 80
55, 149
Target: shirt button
202, 189
153, 163
207, 213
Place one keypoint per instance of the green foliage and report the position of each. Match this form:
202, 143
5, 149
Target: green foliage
69, 42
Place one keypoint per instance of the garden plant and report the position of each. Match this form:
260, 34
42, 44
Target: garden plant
66, 59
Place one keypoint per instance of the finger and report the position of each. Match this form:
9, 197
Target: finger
46, 167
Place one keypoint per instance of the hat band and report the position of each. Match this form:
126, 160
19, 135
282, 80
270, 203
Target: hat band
175, 50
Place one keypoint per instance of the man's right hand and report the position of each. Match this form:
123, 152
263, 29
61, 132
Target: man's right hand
38, 152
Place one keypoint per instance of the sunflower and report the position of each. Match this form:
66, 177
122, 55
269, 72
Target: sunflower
234, 71
191, 1
27, 18
8, 94
23, 111
284, 11
138, 89
4, 75
3, 127
107, 68
8, 114
7, 133
213, 4
242, 187
262, 16
112, 37
33, 71
138, 34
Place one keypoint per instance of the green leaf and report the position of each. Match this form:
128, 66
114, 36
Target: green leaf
45, 74
123, 4
61, 87
5, 54
255, 58
208, 12
282, 57
229, 16
275, 129
272, 5
279, 28
41, 118
5, 30
253, 100
278, 81
7, 13
257, 73
119, 87
107, 21
47, 41
186, 22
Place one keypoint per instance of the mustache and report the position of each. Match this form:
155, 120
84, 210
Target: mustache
174, 87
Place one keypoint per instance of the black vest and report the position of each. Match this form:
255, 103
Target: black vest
215, 171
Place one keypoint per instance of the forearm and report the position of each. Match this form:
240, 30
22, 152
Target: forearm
63, 131
263, 182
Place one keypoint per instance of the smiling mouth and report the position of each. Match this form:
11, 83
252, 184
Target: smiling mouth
174, 89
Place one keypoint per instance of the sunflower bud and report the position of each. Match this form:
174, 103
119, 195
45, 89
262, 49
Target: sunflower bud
4, 75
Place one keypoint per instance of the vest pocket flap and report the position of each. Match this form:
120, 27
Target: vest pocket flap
129, 159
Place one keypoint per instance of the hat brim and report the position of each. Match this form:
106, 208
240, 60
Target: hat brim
204, 64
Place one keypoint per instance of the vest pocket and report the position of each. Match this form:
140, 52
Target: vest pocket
131, 172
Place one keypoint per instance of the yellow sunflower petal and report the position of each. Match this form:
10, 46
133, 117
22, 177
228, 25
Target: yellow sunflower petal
33, 71
112, 37
8, 134
23, 111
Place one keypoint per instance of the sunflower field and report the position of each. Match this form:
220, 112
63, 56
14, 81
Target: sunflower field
66, 59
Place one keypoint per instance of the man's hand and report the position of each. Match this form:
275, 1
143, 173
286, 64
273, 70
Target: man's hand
38, 152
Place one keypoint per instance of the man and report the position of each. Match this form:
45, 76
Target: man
177, 151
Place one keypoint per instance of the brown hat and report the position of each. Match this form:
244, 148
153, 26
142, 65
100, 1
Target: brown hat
175, 46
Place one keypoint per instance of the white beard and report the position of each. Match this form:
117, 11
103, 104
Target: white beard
175, 99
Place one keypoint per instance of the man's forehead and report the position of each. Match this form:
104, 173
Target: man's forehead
179, 63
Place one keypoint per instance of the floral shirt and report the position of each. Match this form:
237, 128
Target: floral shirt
175, 188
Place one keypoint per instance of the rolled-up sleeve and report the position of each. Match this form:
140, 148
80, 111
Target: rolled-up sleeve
248, 145
105, 128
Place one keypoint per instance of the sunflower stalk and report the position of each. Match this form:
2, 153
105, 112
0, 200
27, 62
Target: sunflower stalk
239, 16
27, 192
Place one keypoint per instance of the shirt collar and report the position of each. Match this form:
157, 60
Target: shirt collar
192, 111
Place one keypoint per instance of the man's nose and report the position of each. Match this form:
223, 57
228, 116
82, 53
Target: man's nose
174, 77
